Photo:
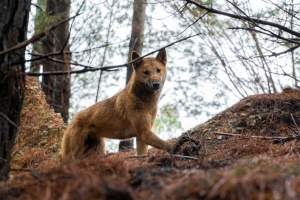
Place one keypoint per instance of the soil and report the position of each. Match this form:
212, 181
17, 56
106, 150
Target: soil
206, 164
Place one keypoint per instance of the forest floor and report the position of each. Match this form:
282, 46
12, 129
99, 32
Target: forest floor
249, 151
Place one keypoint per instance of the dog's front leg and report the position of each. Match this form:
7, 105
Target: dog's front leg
150, 138
141, 147
142, 126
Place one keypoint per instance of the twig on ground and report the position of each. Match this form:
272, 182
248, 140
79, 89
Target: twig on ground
36, 174
183, 156
253, 136
172, 155
144, 156
21, 169
275, 139
296, 125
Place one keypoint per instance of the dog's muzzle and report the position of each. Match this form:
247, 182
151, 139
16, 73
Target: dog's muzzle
154, 85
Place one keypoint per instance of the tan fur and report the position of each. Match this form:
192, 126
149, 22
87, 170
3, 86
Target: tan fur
129, 113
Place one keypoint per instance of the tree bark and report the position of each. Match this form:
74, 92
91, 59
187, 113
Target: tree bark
137, 31
57, 88
13, 28
135, 44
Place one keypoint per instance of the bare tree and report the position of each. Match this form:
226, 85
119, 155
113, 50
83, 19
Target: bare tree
57, 88
253, 42
13, 28
135, 44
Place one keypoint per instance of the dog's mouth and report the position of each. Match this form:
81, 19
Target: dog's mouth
142, 89
153, 85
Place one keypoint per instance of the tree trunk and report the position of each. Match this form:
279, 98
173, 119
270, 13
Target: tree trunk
13, 28
137, 31
57, 88
135, 44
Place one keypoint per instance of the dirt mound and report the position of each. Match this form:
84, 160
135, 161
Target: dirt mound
272, 115
40, 131
206, 165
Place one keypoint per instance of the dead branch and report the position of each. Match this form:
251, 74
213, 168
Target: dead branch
194, 22
172, 155
183, 156
110, 67
137, 157
268, 33
9, 120
21, 169
275, 139
36, 37
296, 125
245, 18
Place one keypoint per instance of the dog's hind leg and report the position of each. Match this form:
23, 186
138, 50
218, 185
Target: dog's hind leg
73, 142
94, 144
101, 146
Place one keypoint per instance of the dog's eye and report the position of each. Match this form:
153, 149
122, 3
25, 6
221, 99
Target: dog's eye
146, 72
158, 70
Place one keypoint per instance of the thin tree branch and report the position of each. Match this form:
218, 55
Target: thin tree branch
4, 116
35, 37
268, 33
37, 6
246, 18
105, 49
194, 22
91, 69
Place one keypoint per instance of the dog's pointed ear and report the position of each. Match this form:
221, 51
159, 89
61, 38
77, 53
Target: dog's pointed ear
162, 56
135, 55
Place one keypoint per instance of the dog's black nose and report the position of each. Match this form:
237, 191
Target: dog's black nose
156, 85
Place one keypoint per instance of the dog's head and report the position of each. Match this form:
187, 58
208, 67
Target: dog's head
150, 73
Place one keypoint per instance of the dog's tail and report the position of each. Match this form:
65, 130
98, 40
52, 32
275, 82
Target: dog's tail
72, 141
